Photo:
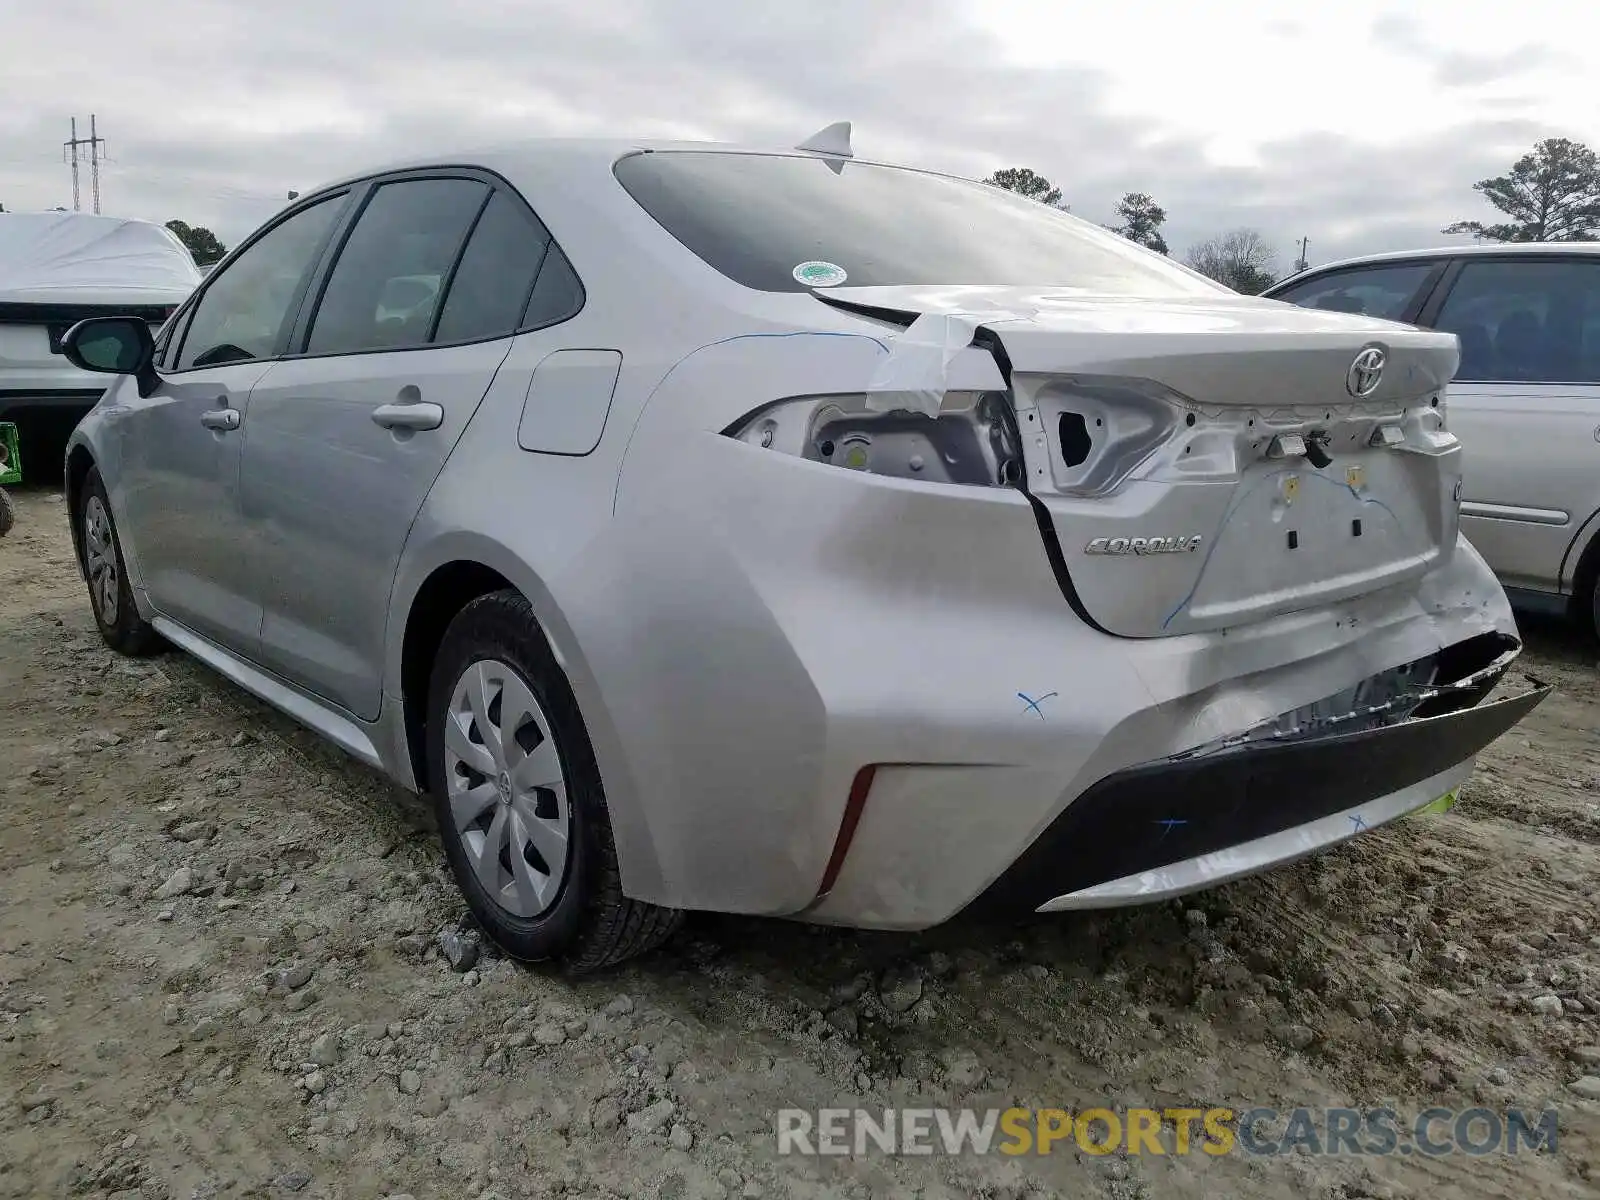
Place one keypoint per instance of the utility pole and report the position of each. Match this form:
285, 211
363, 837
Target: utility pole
94, 163
72, 147
1303, 262
94, 141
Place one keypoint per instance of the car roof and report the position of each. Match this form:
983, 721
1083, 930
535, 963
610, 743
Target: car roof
1471, 250
518, 158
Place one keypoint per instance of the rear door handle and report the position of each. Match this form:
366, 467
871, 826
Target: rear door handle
419, 415
220, 418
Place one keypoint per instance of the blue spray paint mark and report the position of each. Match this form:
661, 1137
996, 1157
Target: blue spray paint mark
1168, 824
1356, 820
1234, 507
1032, 704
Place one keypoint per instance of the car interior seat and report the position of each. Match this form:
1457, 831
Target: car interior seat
1519, 345
1477, 351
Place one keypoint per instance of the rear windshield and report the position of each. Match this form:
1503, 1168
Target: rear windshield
760, 218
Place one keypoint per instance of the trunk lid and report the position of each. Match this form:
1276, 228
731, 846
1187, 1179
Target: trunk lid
1203, 463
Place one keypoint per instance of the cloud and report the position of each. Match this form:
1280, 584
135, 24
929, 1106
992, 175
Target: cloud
214, 109
1459, 69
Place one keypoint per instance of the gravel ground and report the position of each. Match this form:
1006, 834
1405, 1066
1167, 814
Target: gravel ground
231, 965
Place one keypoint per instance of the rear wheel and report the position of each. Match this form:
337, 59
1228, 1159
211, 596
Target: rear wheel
522, 813
110, 595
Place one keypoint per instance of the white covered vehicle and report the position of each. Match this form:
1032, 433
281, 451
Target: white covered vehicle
57, 268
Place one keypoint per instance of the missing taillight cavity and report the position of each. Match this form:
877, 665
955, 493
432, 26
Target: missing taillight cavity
1075, 440
1131, 419
971, 440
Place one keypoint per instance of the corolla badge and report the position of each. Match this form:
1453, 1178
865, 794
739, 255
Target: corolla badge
1143, 545
1365, 372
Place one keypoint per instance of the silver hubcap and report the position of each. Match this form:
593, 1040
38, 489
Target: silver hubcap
101, 552
508, 795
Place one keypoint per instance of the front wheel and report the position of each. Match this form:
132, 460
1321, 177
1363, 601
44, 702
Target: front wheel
522, 813
106, 573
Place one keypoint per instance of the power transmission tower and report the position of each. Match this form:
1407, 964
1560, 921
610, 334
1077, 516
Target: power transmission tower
72, 148
94, 141
94, 163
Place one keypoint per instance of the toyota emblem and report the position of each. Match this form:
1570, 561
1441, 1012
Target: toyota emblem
1365, 372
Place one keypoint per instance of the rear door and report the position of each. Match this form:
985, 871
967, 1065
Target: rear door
345, 440
1526, 405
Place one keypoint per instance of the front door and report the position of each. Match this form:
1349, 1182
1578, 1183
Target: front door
345, 442
181, 457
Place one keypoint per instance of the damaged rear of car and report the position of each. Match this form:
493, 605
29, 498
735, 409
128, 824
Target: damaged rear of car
1058, 576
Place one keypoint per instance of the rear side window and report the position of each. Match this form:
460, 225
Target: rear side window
758, 217
246, 309
492, 285
1526, 321
558, 294
1376, 291
384, 291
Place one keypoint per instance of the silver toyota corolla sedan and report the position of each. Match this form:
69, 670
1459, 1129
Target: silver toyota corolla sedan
779, 532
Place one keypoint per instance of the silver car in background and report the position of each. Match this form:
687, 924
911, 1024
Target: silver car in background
1525, 401
777, 532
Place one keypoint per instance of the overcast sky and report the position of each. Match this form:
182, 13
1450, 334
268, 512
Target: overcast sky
1359, 123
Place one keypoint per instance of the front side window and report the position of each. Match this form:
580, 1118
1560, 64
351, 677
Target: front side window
1376, 291
245, 311
1526, 320
760, 218
384, 291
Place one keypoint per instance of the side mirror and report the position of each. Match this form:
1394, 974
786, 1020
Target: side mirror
113, 346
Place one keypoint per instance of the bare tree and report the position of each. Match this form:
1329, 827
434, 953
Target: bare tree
1240, 259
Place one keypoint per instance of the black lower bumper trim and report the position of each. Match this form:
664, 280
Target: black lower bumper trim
1161, 813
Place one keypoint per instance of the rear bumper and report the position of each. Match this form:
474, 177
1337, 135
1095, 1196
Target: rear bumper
1164, 828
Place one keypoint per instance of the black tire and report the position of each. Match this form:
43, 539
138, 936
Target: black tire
590, 924
8, 513
123, 629
1583, 606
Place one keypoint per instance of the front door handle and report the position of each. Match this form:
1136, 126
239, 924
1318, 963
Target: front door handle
220, 418
418, 415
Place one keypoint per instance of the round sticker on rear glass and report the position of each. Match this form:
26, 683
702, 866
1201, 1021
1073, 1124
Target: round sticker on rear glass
820, 274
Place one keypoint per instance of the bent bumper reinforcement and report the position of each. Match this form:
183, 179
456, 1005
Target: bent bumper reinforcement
1164, 818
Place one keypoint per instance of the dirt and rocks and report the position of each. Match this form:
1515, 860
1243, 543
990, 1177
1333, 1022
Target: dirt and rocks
231, 965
